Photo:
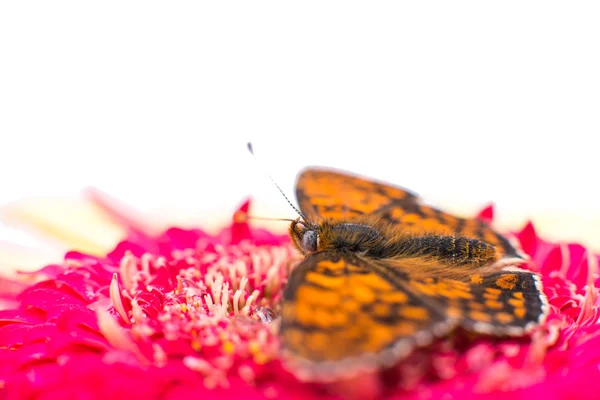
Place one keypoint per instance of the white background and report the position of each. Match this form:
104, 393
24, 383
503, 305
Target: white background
153, 102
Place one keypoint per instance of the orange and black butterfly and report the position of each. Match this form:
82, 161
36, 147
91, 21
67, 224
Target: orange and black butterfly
385, 273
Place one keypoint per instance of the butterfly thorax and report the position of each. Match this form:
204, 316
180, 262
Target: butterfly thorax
349, 236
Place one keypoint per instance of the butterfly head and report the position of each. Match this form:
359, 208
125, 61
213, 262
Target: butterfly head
305, 236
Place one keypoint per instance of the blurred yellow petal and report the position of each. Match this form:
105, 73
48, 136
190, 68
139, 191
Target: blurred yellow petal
15, 258
78, 224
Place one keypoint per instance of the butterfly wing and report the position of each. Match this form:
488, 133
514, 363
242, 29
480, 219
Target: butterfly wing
507, 302
342, 314
325, 193
340, 196
510, 301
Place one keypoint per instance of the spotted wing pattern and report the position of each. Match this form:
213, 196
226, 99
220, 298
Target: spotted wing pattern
507, 302
341, 196
342, 313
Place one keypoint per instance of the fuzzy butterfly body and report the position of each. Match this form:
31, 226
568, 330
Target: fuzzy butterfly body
385, 273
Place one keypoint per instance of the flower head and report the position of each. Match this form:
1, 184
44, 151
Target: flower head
186, 312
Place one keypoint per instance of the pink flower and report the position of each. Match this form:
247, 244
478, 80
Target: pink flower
185, 313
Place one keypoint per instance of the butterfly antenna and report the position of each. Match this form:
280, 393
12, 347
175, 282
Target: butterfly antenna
251, 150
270, 219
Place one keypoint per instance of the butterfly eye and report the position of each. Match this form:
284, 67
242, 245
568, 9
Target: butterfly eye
310, 240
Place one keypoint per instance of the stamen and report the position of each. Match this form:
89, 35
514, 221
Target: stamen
197, 364
589, 310
251, 298
225, 296
209, 302
117, 301
565, 259
127, 270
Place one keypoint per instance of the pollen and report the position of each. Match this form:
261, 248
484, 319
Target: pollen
228, 347
261, 358
254, 347
240, 217
196, 345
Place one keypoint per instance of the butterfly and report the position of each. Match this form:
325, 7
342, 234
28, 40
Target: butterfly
384, 273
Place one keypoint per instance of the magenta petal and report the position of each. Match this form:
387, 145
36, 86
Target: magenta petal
44, 297
487, 214
126, 246
579, 270
528, 238
179, 239
19, 316
79, 284
554, 261
50, 271
13, 335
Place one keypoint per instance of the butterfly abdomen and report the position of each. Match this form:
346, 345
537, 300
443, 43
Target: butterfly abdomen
457, 250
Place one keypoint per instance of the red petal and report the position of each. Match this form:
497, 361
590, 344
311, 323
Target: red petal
487, 214
528, 238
